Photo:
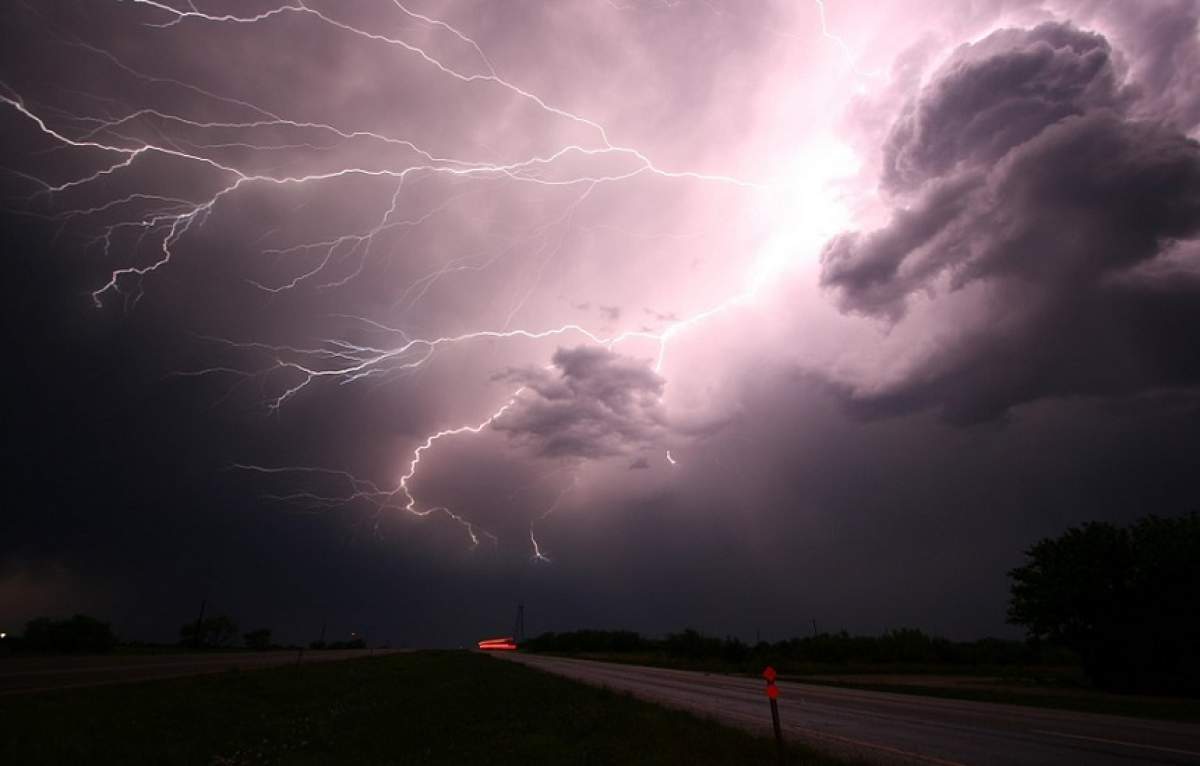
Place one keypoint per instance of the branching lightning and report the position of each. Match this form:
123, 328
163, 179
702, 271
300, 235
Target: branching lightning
115, 140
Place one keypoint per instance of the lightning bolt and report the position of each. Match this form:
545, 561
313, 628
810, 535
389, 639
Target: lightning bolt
538, 554
842, 45
125, 138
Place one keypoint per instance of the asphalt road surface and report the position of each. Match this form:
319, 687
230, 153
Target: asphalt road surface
898, 728
30, 674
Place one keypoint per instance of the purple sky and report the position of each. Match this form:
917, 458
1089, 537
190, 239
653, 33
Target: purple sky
651, 314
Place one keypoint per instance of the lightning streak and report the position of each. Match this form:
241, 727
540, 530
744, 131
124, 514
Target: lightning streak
538, 554
840, 43
126, 138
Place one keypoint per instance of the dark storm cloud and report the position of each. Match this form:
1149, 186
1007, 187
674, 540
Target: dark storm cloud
594, 403
867, 266
1019, 170
997, 94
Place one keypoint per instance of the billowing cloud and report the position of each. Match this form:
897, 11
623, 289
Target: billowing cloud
592, 403
996, 94
1020, 171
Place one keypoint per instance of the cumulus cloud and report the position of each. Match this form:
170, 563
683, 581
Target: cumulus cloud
1027, 170
995, 95
591, 403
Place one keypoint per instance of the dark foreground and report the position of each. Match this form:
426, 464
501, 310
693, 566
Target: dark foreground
420, 707
888, 727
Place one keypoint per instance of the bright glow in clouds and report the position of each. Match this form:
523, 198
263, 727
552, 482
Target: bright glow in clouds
498, 201
806, 209
789, 213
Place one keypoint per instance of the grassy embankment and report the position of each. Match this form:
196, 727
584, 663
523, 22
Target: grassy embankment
424, 707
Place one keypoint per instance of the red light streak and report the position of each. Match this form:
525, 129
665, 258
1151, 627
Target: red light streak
497, 644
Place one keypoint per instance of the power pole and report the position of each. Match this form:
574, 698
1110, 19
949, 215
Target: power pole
199, 625
519, 628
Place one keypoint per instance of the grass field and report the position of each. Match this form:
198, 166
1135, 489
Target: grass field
1058, 688
419, 708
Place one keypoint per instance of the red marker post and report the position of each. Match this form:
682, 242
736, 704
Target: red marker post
773, 695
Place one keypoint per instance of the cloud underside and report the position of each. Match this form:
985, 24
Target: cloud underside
591, 403
1030, 182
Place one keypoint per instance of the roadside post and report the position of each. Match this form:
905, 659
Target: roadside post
773, 696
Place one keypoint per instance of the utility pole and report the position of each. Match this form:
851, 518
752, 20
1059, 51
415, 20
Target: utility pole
199, 624
519, 628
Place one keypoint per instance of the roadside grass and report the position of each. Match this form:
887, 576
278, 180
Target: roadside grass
1045, 687
423, 707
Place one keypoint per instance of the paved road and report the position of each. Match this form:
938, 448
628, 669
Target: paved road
900, 728
29, 674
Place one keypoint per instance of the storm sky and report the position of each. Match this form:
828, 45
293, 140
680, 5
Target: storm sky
731, 315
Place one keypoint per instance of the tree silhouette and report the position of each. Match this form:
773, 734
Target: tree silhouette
1126, 599
216, 631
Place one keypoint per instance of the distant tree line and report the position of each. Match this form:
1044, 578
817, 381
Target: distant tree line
354, 643
908, 645
83, 634
79, 634
220, 632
